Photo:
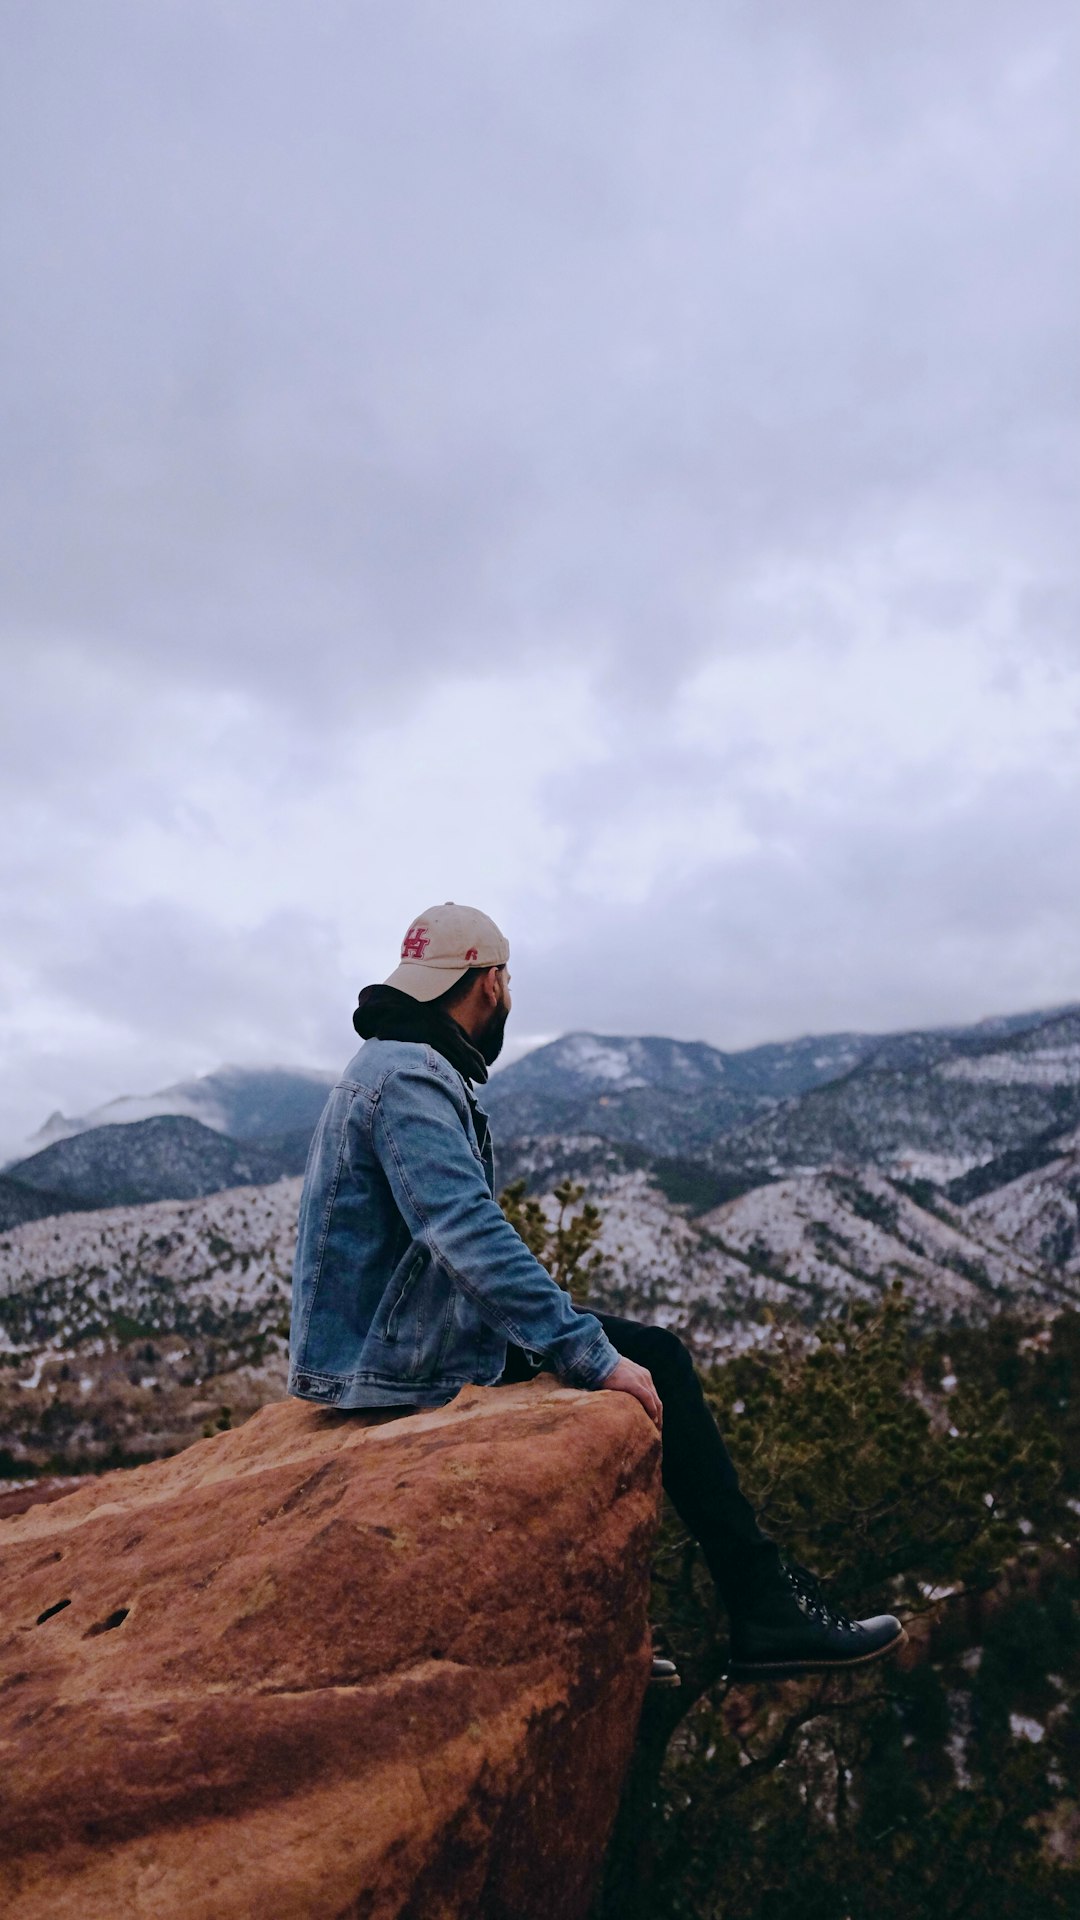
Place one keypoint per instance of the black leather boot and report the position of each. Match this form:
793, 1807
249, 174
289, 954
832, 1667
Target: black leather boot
790, 1628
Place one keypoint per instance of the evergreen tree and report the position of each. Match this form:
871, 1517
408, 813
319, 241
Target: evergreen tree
929, 1475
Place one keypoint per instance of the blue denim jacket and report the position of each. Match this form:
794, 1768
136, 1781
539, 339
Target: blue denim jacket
408, 1279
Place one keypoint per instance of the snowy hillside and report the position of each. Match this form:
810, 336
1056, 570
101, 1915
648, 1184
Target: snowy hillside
799, 1249
1039, 1213
972, 1102
173, 1265
833, 1235
125, 1332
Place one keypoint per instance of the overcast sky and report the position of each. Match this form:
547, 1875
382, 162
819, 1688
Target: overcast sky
612, 464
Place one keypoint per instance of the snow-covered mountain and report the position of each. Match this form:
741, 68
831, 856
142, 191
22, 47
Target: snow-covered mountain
649, 1090
965, 1108
966, 1102
639, 1088
248, 1103
167, 1158
677, 1098
237, 1125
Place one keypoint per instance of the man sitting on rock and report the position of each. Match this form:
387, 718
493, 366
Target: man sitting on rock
409, 1282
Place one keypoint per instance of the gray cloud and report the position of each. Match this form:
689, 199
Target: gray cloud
156, 969
838, 920
349, 352
344, 339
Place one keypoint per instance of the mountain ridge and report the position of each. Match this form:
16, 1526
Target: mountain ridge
949, 1105
968, 1103
247, 1103
168, 1157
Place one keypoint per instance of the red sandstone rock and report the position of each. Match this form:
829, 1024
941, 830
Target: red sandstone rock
330, 1666
37, 1493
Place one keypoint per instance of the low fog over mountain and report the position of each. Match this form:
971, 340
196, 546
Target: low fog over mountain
249, 1103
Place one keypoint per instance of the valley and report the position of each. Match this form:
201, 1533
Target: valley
146, 1254
127, 1332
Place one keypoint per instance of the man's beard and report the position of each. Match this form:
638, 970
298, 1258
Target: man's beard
488, 1042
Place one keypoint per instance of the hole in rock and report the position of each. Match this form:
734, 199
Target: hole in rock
49, 1611
115, 1619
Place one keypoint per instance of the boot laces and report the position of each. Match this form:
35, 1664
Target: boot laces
810, 1598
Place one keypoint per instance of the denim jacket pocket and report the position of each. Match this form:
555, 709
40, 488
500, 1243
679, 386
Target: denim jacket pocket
388, 1330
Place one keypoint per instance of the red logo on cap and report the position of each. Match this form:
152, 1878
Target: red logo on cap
472, 955
415, 944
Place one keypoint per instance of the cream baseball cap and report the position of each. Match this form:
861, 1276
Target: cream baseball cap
441, 945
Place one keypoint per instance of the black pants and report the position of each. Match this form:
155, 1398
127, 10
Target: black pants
698, 1473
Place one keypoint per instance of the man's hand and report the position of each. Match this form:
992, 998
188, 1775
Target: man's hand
628, 1377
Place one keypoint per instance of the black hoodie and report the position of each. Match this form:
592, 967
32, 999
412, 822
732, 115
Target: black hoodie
385, 1013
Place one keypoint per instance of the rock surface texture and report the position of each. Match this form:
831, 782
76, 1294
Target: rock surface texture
332, 1665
